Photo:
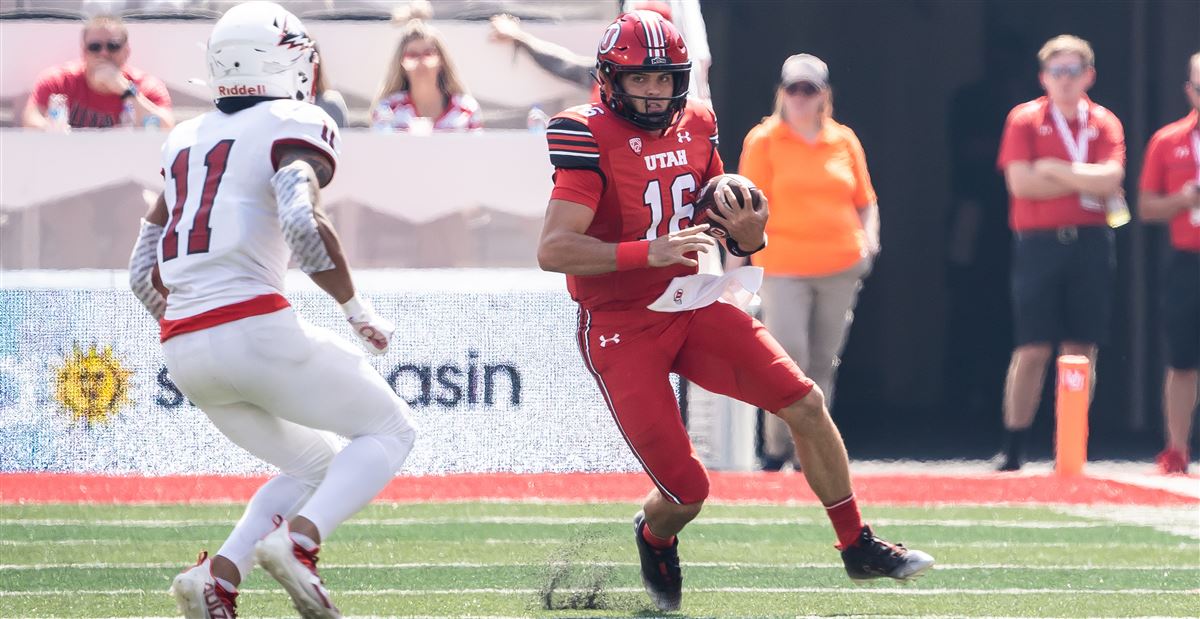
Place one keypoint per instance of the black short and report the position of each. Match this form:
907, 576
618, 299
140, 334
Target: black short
1181, 310
1062, 285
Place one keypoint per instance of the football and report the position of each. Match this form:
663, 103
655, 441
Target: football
706, 200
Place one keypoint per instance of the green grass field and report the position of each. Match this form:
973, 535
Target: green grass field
501, 559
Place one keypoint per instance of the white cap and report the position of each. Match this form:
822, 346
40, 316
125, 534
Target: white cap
805, 68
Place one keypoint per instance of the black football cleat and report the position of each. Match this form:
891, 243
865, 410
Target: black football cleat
660, 569
873, 557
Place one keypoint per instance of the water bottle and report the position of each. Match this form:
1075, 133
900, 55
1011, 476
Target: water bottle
1116, 211
383, 118
537, 120
127, 112
58, 113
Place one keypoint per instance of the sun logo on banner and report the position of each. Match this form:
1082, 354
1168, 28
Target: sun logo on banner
92, 384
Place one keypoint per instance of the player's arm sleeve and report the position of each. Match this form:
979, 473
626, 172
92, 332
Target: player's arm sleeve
575, 156
144, 258
296, 198
310, 127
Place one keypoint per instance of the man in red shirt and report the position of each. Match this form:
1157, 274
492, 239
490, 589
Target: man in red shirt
99, 86
619, 224
1170, 191
1063, 158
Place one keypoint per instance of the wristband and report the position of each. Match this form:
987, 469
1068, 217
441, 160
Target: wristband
737, 250
633, 255
354, 308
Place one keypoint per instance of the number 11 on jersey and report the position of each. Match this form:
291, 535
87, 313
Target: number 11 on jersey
198, 236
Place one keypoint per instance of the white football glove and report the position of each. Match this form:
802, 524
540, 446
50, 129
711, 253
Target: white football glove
374, 332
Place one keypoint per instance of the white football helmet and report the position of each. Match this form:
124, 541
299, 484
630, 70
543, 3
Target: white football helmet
259, 49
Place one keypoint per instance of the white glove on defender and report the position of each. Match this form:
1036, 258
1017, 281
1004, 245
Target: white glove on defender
374, 332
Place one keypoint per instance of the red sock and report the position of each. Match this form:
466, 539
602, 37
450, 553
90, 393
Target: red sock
846, 519
656, 541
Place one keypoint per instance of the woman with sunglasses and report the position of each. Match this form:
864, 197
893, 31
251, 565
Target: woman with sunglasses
422, 90
100, 86
824, 229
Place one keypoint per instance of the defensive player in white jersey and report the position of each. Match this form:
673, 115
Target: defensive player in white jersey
242, 195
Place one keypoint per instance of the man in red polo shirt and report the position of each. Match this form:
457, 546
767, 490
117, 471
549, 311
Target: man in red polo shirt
1063, 158
1170, 191
99, 86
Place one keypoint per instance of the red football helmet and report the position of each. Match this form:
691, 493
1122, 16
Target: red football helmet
643, 42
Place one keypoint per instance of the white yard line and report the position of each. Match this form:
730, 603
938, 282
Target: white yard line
549, 520
1183, 521
18, 567
755, 590
565, 542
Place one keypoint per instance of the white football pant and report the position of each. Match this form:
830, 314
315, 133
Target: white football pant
277, 387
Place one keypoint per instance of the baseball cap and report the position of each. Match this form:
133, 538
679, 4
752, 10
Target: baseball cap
805, 68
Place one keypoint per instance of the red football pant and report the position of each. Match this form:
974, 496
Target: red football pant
719, 347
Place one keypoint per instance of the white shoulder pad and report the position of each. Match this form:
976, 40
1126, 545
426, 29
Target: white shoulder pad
299, 123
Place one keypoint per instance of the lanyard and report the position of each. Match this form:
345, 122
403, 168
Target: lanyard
1077, 148
1194, 218
1196, 151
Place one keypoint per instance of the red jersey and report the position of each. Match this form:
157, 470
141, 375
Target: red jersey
641, 184
1030, 133
88, 107
1171, 161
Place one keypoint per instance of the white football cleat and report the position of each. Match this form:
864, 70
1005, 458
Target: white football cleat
198, 595
296, 569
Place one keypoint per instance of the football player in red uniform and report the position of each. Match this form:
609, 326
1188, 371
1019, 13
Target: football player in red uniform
619, 226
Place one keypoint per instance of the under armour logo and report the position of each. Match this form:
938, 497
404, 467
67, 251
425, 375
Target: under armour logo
1183, 152
614, 340
684, 136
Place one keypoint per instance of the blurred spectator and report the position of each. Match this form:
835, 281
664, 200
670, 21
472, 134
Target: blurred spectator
101, 88
565, 64
978, 243
1063, 158
554, 59
422, 89
329, 100
1170, 191
824, 229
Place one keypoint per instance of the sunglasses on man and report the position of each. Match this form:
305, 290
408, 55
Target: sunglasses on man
807, 89
1071, 71
112, 46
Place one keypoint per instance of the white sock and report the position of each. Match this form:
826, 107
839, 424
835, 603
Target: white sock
281, 495
356, 475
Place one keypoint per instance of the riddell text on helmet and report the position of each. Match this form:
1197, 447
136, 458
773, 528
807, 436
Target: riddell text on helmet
242, 91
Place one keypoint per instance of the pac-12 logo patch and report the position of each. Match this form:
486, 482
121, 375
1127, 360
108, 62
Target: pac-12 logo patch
636, 144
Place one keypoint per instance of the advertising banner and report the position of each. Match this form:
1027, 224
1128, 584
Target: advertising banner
486, 359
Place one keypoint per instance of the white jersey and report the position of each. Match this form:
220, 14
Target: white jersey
223, 243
